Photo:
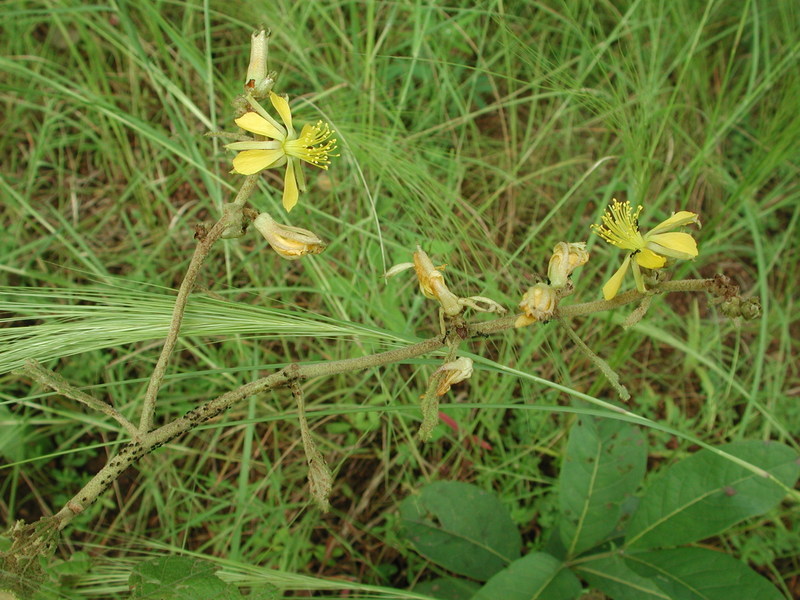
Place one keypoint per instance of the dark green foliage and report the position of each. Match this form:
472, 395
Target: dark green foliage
462, 528
604, 463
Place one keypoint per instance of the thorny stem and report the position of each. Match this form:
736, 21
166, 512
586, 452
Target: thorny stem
152, 440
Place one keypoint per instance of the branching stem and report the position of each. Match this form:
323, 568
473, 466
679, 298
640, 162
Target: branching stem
189, 280
206, 241
58, 384
152, 440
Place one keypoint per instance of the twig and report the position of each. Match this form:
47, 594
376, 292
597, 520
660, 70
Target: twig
194, 418
320, 478
588, 308
200, 253
429, 403
610, 374
60, 385
199, 256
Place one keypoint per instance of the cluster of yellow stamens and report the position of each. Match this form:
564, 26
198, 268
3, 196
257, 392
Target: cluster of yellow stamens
314, 146
620, 226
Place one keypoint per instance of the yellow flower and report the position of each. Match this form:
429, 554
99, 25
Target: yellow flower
432, 285
454, 372
284, 146
566, 258
538, 303
290, 242
620, 227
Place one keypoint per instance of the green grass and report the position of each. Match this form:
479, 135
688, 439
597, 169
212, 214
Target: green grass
486, 132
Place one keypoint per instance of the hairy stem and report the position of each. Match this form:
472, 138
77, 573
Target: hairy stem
429, 403
189, 280
149, 441
187, 285
58, 384
609, 373
320, 478
152, 440
247, 189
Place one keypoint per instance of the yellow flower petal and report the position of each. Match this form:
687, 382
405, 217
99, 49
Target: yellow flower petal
290, 191
649, 259
268, 145
255, 123
675, 245
611, 287
250, 162
524, 321
679, 219
282, 106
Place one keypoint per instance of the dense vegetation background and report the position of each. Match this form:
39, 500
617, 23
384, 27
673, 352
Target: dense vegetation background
486, 131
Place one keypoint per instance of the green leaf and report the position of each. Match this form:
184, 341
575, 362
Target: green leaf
179, 578
700, 574
448, 588
462, 528
604, 465
532, 577
610, 575
265, 591
78, 564
706, 494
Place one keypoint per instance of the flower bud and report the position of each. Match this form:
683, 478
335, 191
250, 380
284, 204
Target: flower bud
290, 242
432, 285
454, 372
566, 258
258, 81
538, 304
751, 309
320, 479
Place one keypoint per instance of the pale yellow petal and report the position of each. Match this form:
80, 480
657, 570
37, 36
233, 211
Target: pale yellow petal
266, 145
250, 162
524, 321
259, 110
649, 259
255, 123
281, 105
290, 191
675, 245
679, 219
611, 287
